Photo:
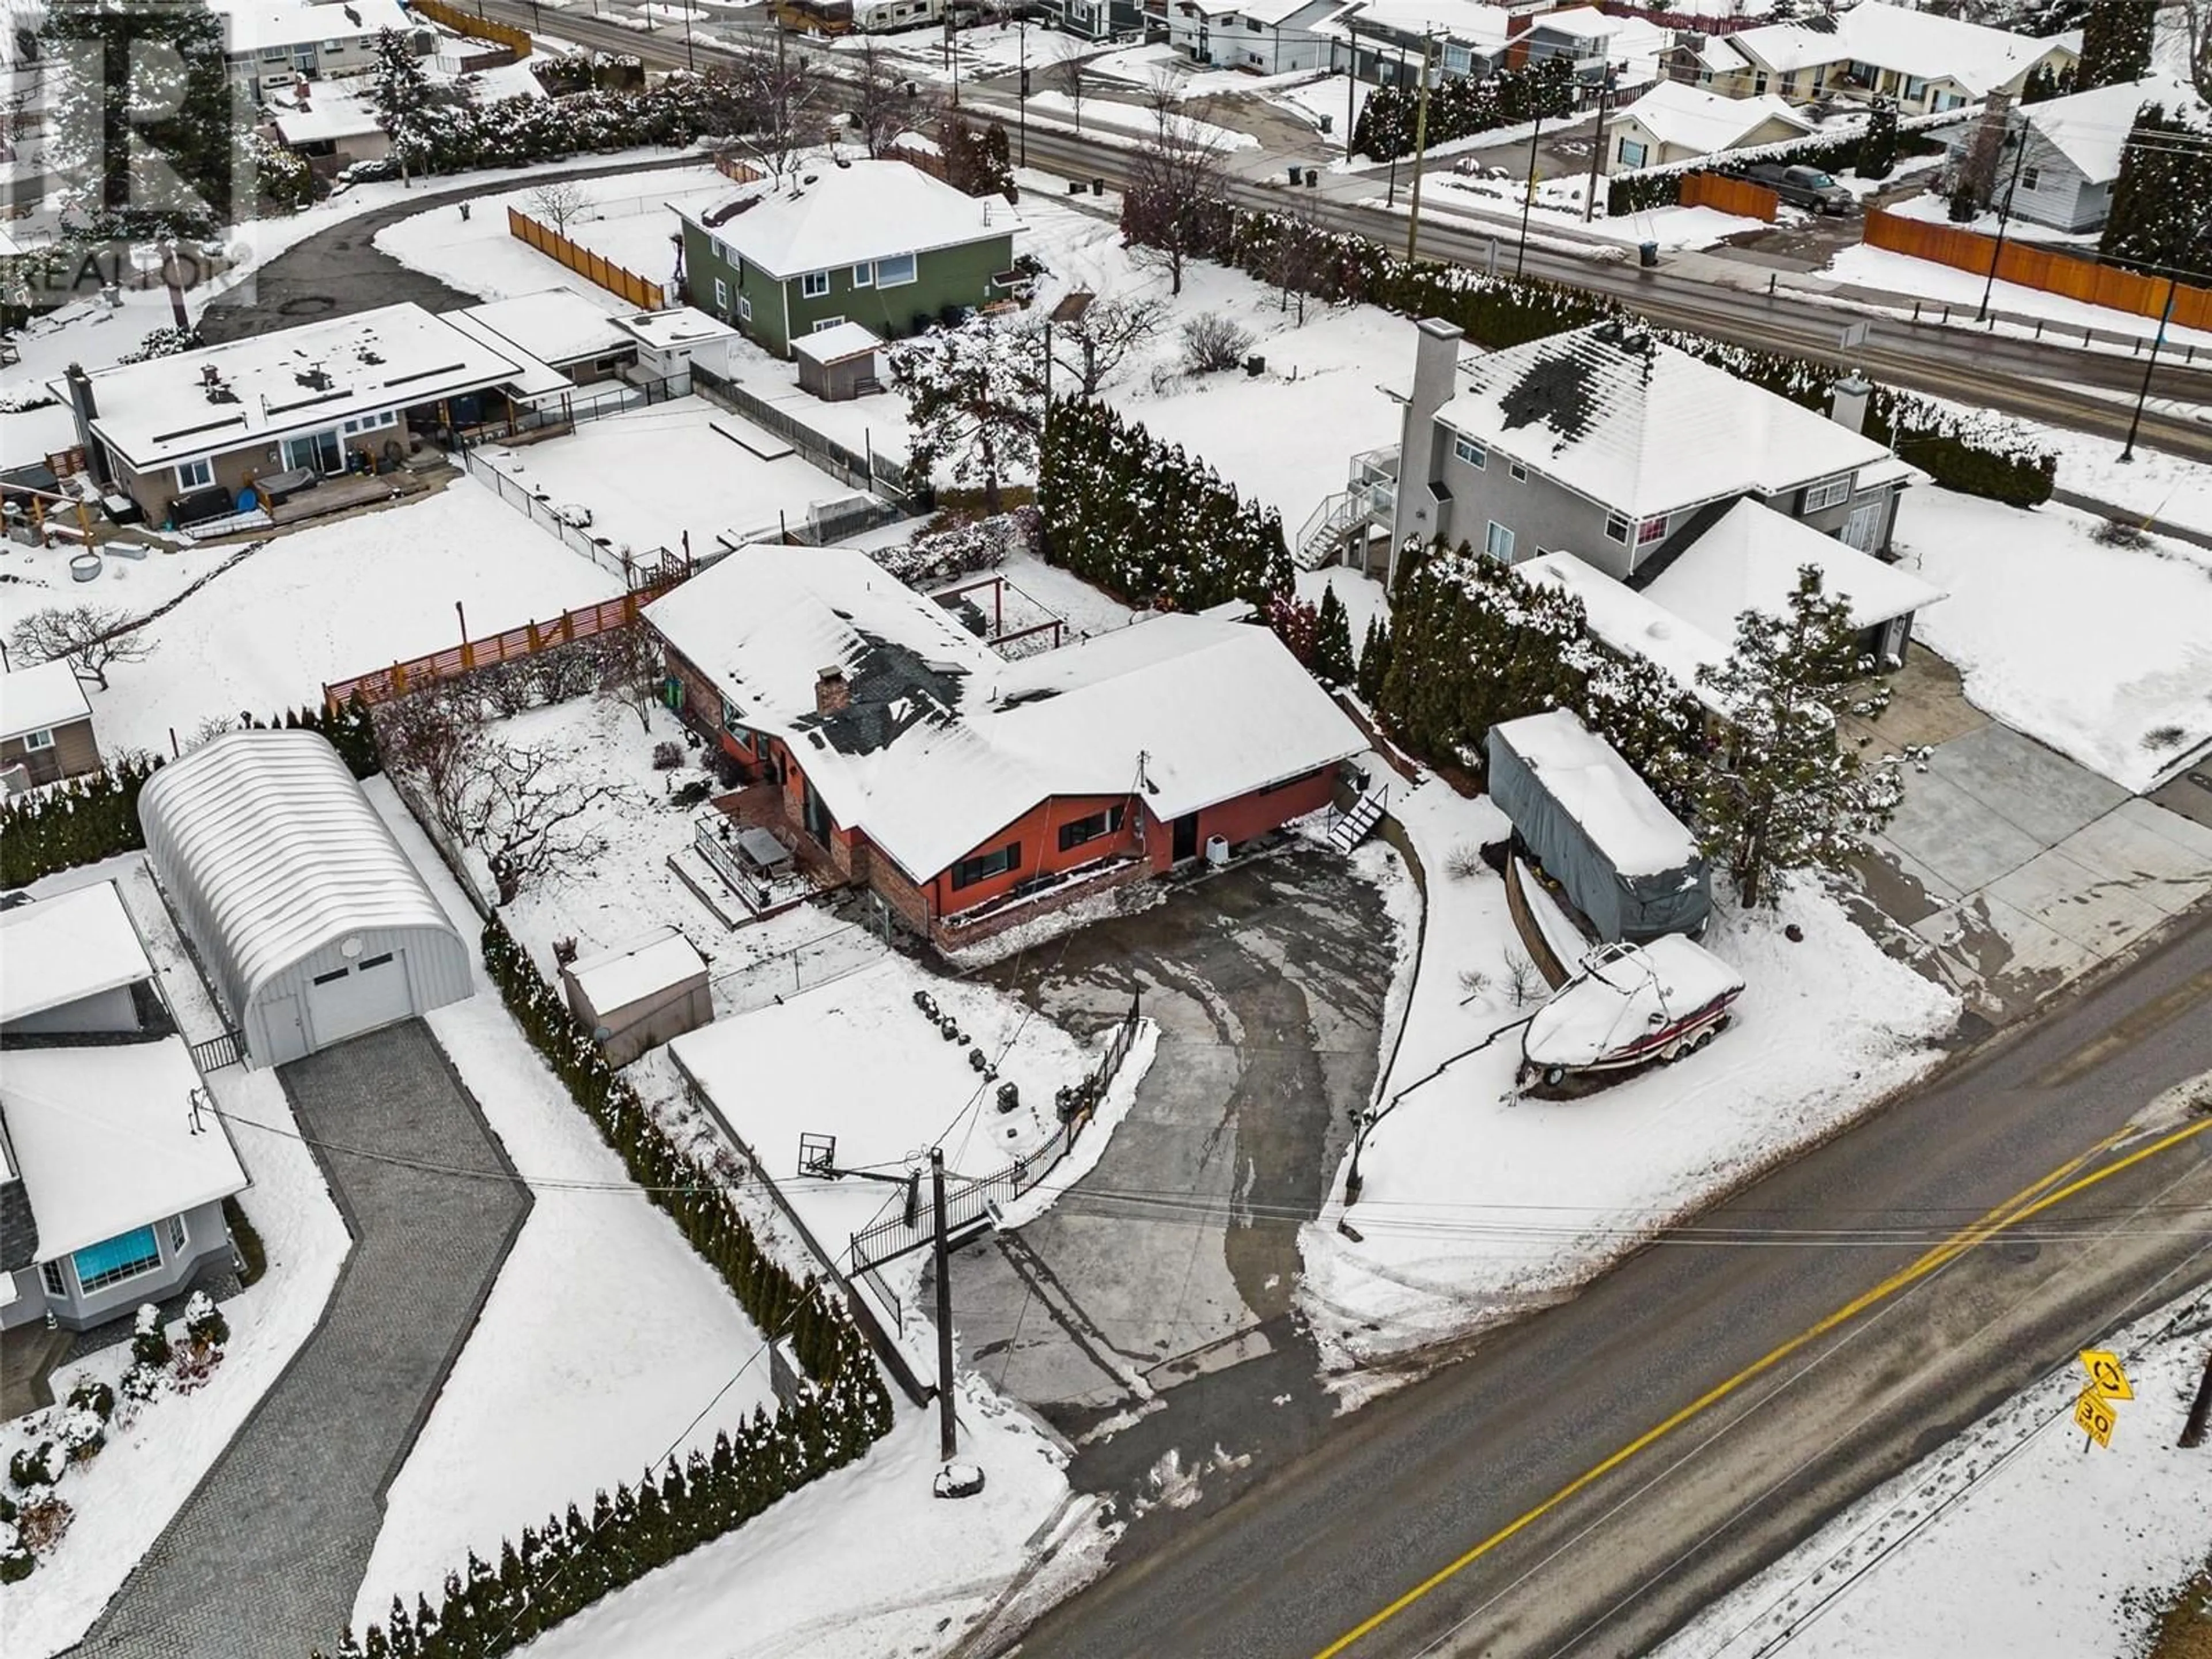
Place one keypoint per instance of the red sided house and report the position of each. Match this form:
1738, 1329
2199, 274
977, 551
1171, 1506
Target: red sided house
969, 790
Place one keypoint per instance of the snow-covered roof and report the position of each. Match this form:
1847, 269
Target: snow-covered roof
261, 387
1631, 622
1468, 21
1274, 13
63, 949
846, 213
678, 325
1642, 427
251, 24
834, 345
1900, 37
1748, 560
1584, 23
329, 112
1675, 113
2090, 128
645, 966
265, 836
557, 326
1587, 776
41, 697
945, 743
105, 1141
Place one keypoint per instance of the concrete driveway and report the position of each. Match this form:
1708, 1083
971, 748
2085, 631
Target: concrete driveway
1152, 1309
2012, 869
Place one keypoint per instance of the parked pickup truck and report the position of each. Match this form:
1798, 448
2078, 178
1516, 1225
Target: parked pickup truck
1805, 187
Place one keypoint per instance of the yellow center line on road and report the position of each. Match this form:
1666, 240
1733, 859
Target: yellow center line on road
2032, 1199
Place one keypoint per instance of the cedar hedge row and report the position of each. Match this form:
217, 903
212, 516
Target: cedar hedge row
558, 1569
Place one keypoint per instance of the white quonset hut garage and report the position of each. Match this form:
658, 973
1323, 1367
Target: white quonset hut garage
312, 923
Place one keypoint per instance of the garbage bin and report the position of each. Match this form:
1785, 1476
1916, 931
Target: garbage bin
1313, 177
1295, 171
1328, 125
1098, 186
1647, 253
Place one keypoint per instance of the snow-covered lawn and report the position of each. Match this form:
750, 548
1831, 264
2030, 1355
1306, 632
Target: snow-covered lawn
2104, 652
125, 1496
1313, 99
1672, 227
319, 603
603, 1338
651, 475
624, 217
862, 1563
1476, 1203
2066, 1551
1942, 284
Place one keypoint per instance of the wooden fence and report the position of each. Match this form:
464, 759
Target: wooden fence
640, 291
384, 684
1737, 196
2043, 267
475, 28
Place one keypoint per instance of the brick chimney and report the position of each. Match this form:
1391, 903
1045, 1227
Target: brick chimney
833, 692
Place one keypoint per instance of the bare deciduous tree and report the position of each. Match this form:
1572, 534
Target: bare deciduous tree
1093, 347
555, 203
1175, 188
90, 638
1213, 343
1522, 983
630, 669
779, 104
1071, 75
882, 110
1301, 250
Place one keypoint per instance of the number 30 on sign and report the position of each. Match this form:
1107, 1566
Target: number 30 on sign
2094, 1416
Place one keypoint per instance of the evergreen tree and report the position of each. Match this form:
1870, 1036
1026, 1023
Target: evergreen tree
970, 405
1782, 793
2116, 43
1331, 664
2160, 221
1374, 660
1878, 145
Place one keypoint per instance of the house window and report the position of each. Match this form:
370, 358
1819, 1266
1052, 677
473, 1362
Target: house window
864, 275
177, 1236
1497, 541
984, 866
733, 720
2030, 178
1651, 531
1515, 472
333, 976
744, 309
1633, 153
814, 285
334, 45
38, 739
721, 296
829, 323
1789, 84
1458, 60
303, 59
1470, 452
272, 54
1616, 529
1090, 829
367, 963
1829, 492
111, 1261
1916, 86
196, 475
49, 1275
895, 273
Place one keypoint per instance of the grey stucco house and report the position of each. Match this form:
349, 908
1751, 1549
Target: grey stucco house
1604, 442
113, 1163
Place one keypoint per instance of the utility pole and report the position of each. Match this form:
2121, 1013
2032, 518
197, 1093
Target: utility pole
1350, 83
2192, 1432
1529, 194
1597, 144
2004, 219
1022, 103
1421, 147
947, 1437
952, 54
2157, 340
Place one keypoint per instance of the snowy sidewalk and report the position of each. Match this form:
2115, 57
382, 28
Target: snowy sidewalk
263, 1557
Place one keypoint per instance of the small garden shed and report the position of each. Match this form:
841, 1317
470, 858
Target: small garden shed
838, 364
639, 994
313, 926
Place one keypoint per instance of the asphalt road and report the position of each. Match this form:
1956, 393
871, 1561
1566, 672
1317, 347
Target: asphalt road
2040, 380
1412, 1485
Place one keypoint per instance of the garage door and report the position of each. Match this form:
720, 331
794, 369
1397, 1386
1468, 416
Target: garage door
349, 1000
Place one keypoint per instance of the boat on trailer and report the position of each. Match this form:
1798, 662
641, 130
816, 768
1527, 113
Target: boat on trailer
1627, 1006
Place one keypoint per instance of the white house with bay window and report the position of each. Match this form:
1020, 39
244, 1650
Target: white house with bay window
113, 1164
202, 434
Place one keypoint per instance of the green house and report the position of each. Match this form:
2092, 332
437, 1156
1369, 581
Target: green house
877, 243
